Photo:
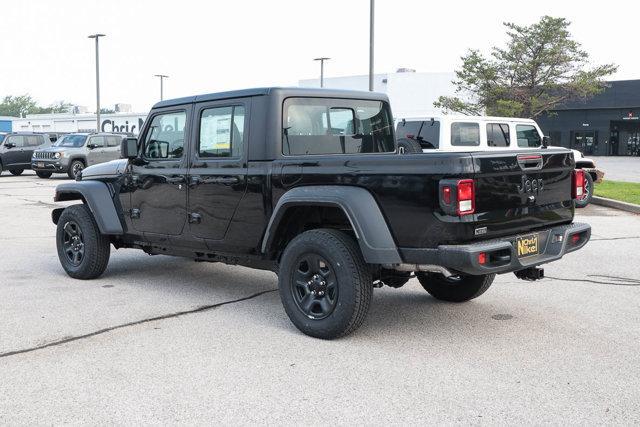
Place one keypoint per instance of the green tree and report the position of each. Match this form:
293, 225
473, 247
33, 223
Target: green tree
17, 106
540, 67
21, 105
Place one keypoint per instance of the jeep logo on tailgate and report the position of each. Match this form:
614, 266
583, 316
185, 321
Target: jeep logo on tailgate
532, 186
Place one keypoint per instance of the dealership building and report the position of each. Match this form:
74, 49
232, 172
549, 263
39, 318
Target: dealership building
606, 125
115, 122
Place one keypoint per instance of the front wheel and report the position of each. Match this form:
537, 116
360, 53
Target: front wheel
16, 172
83, 251
75, 168
325, 284
458, 288
588, 186
43, 175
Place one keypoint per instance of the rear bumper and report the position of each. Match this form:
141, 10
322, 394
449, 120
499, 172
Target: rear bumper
501, 254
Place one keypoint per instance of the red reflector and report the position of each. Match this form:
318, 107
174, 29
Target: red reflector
482, 258
575, 238
466, 197
446, 195
410, 136
530, 157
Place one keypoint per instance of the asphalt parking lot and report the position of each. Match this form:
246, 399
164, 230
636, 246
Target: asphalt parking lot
166, 340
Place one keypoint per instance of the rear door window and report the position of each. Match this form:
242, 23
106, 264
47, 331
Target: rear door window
429, 135
465, 134
498, 135
528, 136
113, 141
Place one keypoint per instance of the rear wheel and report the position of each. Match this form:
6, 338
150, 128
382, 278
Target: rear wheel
588, 186
75, 168
458, 288
16, 172
325, 285
409, 146
83, 251
43, 175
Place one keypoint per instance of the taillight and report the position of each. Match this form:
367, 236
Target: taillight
579, 191
457, 196
466, 197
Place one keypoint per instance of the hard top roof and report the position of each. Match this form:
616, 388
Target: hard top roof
266, 91
462, 117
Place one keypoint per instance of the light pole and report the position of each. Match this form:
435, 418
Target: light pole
324, 58
162, 77
97, 36
371, 22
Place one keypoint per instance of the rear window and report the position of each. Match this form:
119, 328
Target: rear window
528, 136
465, 134
498, 135
314, 126
426, 132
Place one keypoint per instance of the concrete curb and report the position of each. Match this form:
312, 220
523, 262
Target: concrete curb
616, 204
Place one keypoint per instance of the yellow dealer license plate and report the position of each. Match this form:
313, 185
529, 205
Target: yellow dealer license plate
528, 245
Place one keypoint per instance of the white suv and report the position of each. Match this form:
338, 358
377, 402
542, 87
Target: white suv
481, 133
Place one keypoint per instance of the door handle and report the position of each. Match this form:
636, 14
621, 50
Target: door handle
195, 180
227, 180
174, 180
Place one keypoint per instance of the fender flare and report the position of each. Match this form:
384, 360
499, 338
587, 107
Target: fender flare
97, 196
370, 227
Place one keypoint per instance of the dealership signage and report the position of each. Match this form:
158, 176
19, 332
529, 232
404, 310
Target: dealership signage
129, 124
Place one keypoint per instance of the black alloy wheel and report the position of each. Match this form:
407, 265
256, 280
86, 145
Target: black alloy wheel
314, 286
73, 243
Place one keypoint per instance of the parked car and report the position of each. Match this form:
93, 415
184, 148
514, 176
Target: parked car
17, 148
483, 133
307, 183
74, 151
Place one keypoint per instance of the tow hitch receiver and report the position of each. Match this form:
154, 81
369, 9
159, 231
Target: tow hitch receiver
530, 274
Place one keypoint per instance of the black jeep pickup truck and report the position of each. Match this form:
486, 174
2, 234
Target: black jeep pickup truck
308, 183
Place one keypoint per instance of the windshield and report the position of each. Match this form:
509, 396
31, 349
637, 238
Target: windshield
71, 141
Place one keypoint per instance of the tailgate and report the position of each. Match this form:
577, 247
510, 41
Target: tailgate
520, 191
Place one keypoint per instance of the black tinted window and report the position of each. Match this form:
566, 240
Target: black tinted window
165, 136
429, 136
336, 126
498, 135
408, 127
465, 134
221, 132
528, 136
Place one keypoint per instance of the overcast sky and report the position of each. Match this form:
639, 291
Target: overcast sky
209, 46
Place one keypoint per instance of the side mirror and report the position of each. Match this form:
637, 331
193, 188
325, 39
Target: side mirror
9, 145
546, 141
129, 148
91, 146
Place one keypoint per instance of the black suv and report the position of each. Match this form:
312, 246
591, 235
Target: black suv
308, 183
17, 148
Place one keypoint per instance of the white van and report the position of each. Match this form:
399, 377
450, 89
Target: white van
481, 133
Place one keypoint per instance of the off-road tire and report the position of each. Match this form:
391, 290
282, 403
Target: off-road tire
73, 168
96, 245
590, 187
354, 282
459, 289
44, 175
409, 146
16, 172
